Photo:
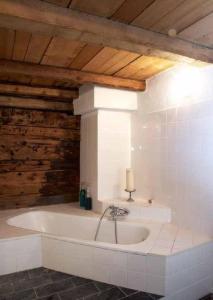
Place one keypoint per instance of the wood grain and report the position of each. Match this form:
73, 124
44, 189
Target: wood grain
103, 8
39, 161
40, 92
9, 101
41, 17
76, 77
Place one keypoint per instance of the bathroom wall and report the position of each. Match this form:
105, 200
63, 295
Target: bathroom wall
39, 157
172, 144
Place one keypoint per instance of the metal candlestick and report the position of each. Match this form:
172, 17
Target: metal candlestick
130, 199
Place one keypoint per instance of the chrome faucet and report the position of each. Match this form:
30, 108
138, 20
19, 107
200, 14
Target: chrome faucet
116, 211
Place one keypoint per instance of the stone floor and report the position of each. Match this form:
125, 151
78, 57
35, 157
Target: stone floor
46, 284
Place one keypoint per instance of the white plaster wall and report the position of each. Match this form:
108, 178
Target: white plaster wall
172, 145
88, 152
114, 154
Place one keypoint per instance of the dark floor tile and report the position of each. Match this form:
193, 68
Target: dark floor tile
128, 291
139, 296
103, 286
51, 297
208, 297
57, 276
155, 297
39, 272
111, 294
80, 281
25, 284
52, 288
14, 276
79, 292
6, 288
23, 295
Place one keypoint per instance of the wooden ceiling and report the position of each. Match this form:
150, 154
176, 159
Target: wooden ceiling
192, 19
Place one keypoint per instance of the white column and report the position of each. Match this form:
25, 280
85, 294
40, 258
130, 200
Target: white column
105, 140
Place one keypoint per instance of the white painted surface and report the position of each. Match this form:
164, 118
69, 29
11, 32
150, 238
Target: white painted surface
96, 97
172, 145
113, 152
88, 154
143, 266
80, 227
20, 254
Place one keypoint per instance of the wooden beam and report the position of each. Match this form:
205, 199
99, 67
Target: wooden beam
30, 103
45, 18
77, 77
32, 91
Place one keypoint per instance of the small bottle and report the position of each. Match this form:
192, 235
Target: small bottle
88, 201
82, 195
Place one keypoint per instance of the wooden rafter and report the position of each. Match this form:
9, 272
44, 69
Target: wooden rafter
31, 91
40, 17
77, 77
31, 103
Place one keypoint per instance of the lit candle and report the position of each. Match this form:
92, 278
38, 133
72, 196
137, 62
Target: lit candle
129, 180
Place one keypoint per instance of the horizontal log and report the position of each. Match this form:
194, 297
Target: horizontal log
40, 132
77, 77
44, 18
37, 165
30, 103
31, 91
37, 118
7, 202
17, 148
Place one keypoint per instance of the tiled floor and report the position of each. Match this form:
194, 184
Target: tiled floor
45, 284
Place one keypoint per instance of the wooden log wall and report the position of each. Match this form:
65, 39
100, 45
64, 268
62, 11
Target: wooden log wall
39, 157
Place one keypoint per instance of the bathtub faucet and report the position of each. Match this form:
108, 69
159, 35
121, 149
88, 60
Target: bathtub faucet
116, 211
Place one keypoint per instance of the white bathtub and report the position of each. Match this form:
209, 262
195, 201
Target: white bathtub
64, 237
80, 228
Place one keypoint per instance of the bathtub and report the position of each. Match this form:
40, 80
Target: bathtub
81, 228
144, 259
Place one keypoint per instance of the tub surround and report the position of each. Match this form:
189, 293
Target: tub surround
172, 145
105, 140
156, 265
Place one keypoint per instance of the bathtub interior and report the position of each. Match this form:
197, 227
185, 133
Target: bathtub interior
80, 227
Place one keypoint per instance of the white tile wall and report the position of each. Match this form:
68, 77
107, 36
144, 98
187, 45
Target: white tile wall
174, 275
20, 254
173, 147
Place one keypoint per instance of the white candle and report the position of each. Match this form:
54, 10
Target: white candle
129, 180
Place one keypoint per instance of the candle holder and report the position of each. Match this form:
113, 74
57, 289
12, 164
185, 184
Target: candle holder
130, 199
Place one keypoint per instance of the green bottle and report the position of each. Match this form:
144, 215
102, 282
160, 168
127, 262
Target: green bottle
82, 196
88, 200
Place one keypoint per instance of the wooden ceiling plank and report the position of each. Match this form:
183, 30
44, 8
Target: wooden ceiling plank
22, 40
97, 63
7, 37
152, 67
20, 90
155, 12
42, 17
61, 52
84, 56
103, 8
132, 68
201, 31
129, 10
119, 62
37, 46
77, 77
187, 13
64, 3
